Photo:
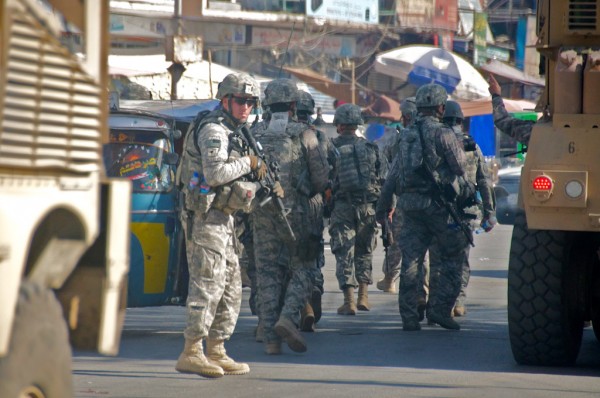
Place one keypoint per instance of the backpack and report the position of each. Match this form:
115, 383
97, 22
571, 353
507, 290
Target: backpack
183, 175
285, 148
358, 166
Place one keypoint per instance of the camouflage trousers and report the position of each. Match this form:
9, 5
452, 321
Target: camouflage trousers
247, 263
465, 270
393, 256
284, 282
353, 232
215, 286
419, 231
465, 275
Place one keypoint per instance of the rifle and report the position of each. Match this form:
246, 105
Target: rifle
440, 198
386, 234
269, 181
387, 238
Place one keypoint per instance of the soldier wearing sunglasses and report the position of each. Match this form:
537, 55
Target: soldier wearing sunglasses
212, 176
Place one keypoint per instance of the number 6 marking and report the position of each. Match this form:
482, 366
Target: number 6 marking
572, 147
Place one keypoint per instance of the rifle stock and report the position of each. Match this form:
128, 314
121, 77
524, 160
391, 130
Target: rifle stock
269, 181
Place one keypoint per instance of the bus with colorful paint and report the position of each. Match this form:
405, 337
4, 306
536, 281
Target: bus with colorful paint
142, 149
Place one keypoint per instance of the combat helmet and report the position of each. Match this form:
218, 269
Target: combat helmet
348, 114
431, 95
280, 91
408, 107
305, 103
238, 83
453, 110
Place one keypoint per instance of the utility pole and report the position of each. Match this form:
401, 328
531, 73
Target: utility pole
175, 69
353, 81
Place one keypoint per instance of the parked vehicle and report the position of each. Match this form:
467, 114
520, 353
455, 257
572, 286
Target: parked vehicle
507, 194
64, 226
554, 269
142, 149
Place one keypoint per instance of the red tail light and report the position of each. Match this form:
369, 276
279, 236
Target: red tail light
542, 183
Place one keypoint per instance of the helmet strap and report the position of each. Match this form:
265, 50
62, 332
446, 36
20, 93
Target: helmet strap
227, 109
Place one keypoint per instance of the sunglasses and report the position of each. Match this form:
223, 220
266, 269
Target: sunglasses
244, 101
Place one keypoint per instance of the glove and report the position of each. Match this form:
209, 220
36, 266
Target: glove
258, 166
488, 223
278, 190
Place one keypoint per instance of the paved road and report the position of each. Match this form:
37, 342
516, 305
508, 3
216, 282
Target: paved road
367, 355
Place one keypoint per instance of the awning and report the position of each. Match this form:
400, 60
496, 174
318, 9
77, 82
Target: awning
340, 91
476, 108
384, 107
509, 72
151, 71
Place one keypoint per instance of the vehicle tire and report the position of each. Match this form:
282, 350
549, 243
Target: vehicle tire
596, 326
39, 360
546, 294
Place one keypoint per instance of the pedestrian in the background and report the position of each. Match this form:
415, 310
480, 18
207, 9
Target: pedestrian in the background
213, 162
356, 188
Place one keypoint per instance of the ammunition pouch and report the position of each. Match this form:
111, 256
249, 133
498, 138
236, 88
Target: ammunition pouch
198, 202
236, 196
469, 144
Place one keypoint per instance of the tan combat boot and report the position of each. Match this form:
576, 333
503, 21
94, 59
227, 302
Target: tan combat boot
259, 333
387, 284
349, 306
215, 351
290, 334
307, 319
459, 310
273, 348
363, 297
192, 360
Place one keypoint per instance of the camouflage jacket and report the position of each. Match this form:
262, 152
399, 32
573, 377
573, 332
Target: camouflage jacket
518, 129
476, 172
442, 152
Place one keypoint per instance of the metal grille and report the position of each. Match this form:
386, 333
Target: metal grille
50, 111
583, 15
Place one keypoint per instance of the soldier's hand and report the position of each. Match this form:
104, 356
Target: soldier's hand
488, 223
391, 214
258, 166
278, 190
328, 196
494, 87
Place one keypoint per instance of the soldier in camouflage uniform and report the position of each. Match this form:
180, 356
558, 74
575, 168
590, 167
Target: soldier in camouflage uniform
355, 190
479, 213
286, 267
212, 166
434, 144
311, 314
518, 129
393, 256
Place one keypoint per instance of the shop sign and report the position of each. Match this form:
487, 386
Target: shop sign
365, 11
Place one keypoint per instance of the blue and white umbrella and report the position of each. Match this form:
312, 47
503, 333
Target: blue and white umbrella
421, 65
